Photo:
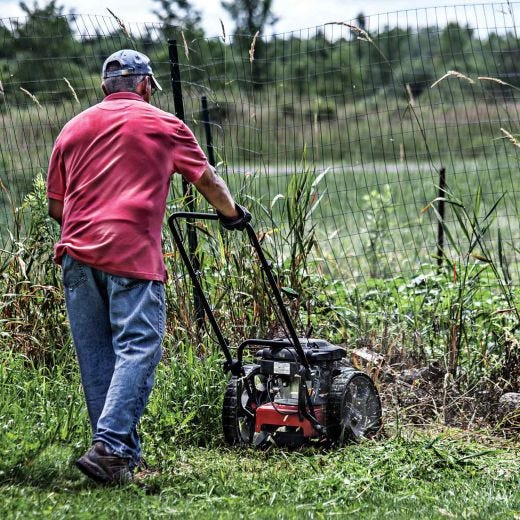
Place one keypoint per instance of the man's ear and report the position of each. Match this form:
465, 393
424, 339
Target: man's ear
103, 87
141, 86
144, 88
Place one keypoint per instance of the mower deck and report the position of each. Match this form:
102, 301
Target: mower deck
270, 417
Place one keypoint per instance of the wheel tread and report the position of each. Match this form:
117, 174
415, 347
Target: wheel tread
229, 413
335, 406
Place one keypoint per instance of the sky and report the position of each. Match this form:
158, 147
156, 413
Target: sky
298, 14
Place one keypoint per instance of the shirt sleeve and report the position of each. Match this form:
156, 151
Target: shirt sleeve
189, 160
56, 182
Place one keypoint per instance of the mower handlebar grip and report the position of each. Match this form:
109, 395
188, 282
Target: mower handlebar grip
190, 215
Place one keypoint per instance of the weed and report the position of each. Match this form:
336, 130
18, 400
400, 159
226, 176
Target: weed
474, 258
379, 209
45, 427
32, 317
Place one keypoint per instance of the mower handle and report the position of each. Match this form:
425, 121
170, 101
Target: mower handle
233, 364
191, 215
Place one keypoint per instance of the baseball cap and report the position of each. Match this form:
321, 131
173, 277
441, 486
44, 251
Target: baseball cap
131, 63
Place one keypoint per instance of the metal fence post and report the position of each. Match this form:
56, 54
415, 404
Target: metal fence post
207, 128
441, 209
187, 189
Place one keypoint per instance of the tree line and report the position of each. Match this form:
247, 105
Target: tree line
38, 51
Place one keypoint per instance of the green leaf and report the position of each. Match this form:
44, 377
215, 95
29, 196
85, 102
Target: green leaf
289, 291
276, 198
318, 179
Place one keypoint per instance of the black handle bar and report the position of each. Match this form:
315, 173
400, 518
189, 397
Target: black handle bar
233, 364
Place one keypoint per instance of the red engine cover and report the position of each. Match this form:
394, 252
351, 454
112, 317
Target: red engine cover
286, 415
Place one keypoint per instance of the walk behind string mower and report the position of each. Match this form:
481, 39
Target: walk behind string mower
296, 390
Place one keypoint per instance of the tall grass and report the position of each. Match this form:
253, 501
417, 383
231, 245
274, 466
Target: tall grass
32, 316
410, 319
475, 260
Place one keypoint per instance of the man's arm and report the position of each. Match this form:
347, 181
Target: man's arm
55, 208
215, 191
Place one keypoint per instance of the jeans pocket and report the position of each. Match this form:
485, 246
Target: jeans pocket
127, 283
73, 272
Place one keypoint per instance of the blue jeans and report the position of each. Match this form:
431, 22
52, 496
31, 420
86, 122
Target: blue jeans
117, 326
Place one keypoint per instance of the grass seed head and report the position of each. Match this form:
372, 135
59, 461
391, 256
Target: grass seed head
496, 80
499, 81
411, 99
510, 137
361, 33
186, 48
72, 90
122, 26
223, 30
252, 48
455, 74
32, 96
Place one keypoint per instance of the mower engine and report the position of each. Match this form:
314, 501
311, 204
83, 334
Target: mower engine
281, 400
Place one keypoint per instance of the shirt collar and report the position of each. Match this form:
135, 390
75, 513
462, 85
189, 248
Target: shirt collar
123, 95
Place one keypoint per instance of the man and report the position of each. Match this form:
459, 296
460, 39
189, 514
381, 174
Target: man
107, 185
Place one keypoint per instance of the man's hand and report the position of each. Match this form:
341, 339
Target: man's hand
235, 223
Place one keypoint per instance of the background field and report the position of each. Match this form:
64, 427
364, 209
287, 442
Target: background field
381, 108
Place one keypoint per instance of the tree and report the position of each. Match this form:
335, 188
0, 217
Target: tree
361, 21
250, 16
6, 42
45, 31
456, 47
393, 45
177, 13
45, 49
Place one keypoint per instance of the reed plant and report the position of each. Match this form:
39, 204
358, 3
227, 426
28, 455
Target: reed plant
231, 272
473, 263
32, 315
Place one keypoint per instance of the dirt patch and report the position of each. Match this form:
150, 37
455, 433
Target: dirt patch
417, 393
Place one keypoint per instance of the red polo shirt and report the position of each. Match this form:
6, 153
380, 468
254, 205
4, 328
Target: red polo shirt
111, 166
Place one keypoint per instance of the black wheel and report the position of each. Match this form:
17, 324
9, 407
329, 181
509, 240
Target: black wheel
353, 407
242, 397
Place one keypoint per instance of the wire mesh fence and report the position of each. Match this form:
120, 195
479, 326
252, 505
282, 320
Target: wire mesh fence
374, 112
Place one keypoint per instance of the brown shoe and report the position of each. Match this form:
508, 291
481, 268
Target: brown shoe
101, 465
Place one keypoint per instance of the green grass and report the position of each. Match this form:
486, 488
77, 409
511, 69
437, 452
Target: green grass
384, 204
396, 478
370, 201
409, 474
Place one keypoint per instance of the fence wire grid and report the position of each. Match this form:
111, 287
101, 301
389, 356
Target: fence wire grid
372, 110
